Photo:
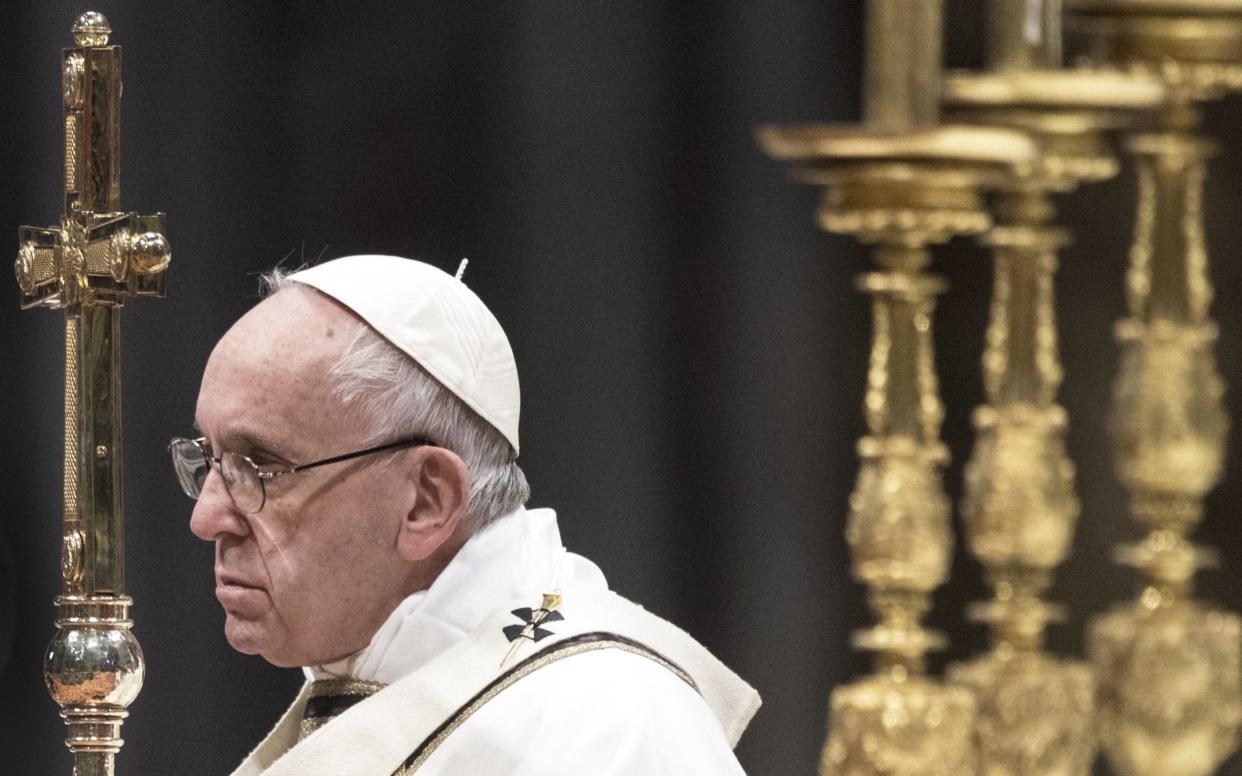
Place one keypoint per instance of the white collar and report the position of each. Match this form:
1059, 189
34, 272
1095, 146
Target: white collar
519, 556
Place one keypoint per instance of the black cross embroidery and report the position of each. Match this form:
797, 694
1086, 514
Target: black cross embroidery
532, 619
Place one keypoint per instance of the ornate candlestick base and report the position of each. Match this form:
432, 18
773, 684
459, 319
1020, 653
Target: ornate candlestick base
1035, 710
899, 724
1170, 703
1035, 713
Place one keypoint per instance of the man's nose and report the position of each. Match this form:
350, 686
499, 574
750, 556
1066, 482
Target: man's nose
214, 512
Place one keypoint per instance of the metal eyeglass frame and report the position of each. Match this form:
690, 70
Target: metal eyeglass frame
262, 476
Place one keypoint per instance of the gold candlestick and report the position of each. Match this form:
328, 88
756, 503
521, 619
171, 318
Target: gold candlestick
87, 265
900, 182
1170, 667
1035, 710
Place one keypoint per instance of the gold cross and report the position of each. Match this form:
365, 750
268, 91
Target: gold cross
87, 266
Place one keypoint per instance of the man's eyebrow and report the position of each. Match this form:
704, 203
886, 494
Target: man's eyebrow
250, 442
253, 443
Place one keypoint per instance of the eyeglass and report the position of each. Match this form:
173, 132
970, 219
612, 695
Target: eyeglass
244, 480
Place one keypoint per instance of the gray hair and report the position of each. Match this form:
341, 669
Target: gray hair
392, 393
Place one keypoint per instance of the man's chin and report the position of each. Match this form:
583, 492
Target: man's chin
256, 637
252, 638
247, 636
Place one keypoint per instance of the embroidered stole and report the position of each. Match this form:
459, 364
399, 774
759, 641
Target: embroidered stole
396, 730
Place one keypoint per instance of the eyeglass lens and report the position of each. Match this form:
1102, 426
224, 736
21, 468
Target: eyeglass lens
191, 464
241, 479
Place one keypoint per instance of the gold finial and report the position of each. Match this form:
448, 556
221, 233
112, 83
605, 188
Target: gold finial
91, 29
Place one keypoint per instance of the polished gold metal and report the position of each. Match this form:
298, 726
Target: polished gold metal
901, 182
87, 266
1036, 711
1170, 667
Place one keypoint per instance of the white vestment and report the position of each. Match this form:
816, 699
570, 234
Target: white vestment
607, 689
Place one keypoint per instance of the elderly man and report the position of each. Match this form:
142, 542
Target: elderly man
357, 474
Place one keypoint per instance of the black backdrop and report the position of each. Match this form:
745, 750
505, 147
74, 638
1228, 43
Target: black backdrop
691, 349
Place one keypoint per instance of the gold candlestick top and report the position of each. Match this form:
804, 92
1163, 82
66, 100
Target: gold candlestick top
1085, 89
981, 145
901, 75
1067, 112
1194, 46
921, 178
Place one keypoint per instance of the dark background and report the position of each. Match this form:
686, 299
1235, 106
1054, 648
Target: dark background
691, 350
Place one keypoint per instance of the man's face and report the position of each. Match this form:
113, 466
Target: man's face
310, 577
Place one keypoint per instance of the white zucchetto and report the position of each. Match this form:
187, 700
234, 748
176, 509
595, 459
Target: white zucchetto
433, 318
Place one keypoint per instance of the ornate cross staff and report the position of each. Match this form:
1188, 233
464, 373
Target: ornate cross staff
87, 266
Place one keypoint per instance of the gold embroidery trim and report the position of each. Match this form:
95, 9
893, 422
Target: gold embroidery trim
525, 670
323, 687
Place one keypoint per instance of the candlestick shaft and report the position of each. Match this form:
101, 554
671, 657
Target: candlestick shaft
1024, 35
1169, 421
1020, 364
901, 79
1168, 278
1019, 506
898, 527
902, 398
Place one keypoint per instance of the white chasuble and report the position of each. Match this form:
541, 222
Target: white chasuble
483, 673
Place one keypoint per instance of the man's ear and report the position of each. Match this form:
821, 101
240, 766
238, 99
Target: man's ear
442, 493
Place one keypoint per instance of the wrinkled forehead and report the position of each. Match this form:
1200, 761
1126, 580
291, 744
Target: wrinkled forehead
268, 375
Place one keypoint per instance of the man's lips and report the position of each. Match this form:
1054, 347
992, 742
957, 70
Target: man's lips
240, 597
228, 580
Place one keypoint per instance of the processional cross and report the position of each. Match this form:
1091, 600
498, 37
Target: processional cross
88, 265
